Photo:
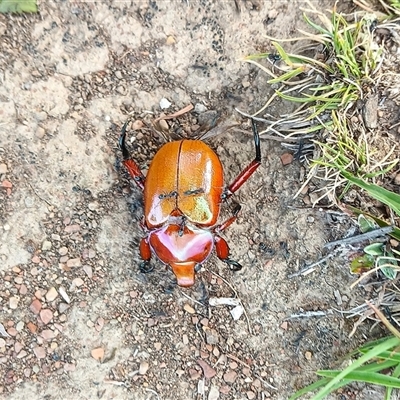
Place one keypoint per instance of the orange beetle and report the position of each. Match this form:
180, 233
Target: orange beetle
183, 192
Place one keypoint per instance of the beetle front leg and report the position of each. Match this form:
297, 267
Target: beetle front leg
130, 165
145, 253
222, 250
249, 170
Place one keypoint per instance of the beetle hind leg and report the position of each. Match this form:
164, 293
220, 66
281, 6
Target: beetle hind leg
222, 250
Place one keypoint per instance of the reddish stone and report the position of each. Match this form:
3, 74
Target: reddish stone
208, 371
32, 327
286, 158
36, 306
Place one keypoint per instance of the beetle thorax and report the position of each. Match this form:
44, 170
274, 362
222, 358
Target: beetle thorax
182, 246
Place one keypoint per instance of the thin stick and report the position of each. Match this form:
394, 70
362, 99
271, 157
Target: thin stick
176, 114
195, 301
309, 267
309, 314
364, 236
41, 198
232, 357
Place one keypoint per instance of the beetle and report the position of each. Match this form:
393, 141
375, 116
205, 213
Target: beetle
183, 191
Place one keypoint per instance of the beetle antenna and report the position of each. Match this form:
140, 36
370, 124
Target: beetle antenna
121, 141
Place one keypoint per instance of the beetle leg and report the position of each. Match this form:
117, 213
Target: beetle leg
222, 250
229, 221
145, 253
249, 170
130, 165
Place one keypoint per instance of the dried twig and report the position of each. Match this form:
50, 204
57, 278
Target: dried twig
232, 357
184, 110
310, 268
310, 314
360, 238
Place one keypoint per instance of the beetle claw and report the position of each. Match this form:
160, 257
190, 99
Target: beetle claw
145, 267
233, 265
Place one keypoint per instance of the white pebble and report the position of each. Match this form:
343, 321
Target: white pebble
164, 103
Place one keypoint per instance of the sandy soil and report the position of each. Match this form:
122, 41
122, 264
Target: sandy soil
70, 290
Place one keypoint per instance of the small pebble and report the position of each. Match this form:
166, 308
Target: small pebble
188, 308
213, 394
32, 327
69, 367
157, 346
46, 315
64, 294
40, 132
286, 158
20, 325
98, 353
77, 282
164, 103
22, 354
47, 334
6, 184
230, 376
208, 371
52, 294
88, 270
143, 367
46, 245
284, 325
72, 228
211, 336
308, 355
40, 352
3, 168
74, 262
36, 306
170, 41
237, 312
200, 108
13, 302
62, 308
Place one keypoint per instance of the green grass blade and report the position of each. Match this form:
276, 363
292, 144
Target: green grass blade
385, 196
18, 6
310, 388
396, 374
368, 377
379, 365
388, 355
374, 352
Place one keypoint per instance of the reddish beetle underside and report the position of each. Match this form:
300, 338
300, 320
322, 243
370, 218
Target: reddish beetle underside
183, 191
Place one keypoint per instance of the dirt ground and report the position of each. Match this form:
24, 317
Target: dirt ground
82, 322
